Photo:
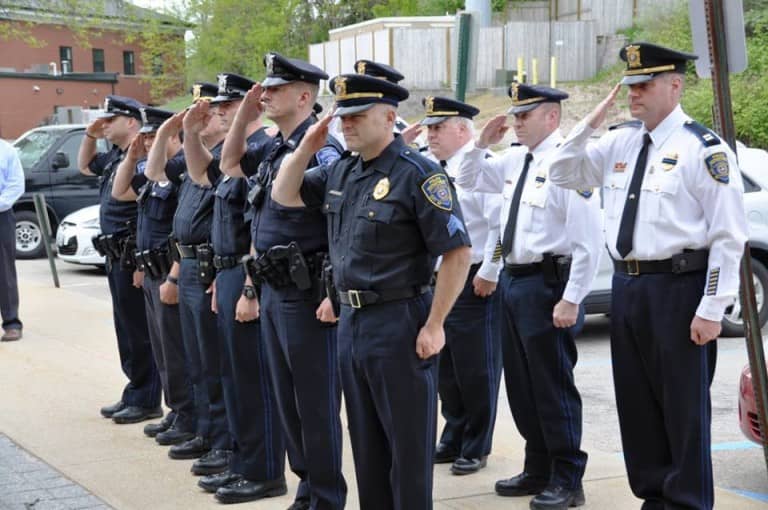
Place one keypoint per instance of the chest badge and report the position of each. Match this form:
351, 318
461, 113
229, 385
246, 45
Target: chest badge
619, 166
668, 162
382, 189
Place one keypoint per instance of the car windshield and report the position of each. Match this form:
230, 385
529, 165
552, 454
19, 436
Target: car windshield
34, 145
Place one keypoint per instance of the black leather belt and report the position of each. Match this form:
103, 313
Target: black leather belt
523, 269
361, 298
188, 251
226, 261
685, 262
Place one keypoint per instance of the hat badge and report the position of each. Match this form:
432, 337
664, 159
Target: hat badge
633, 56
270, 63
429, 104
340, 86
513, 91
361, 68
222, 83
106, 104
196, 88
144, 118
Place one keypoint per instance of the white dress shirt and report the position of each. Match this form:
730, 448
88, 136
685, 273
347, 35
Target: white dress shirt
682, 206
11, 176
481, 216
550, 219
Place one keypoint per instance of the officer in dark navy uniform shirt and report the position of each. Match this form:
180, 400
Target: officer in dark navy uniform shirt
141, 396
301, 347
390, 214
156, 205
257, 466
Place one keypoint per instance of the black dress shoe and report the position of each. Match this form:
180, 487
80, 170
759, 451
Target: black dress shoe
299, 504
246, 490
212, 483
108, 411
173, 436
445, 454
521, 485
558, 498
135, 414
215, 461
153, 429
192, 449
464, 466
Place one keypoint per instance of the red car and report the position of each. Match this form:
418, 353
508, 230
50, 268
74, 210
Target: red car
748, 420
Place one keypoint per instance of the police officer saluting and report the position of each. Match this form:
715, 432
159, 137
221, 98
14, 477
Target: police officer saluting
390, 213
257, 466
675, 227
470, 363
141, 397
551, 248
291, 245
156, 205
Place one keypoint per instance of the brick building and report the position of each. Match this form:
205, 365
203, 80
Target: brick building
48, 67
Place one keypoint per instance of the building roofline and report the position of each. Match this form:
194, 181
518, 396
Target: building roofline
396, 22
86, 77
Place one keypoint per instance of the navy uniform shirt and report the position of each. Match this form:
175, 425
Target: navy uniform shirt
388, 219
230, 231
157, 203
275, 224
194, 214
114, 215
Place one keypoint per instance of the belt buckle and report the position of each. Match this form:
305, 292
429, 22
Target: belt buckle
633, 271
354, 298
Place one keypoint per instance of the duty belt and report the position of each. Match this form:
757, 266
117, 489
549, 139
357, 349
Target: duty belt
189, 251
686, 262
226, 261
361, 298
522, 269
556, 269
155, 263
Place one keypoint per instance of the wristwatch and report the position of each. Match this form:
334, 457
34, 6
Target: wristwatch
249, 291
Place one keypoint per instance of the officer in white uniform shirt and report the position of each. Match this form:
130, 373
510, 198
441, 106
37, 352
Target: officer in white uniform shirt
470, 362
551, 245
675, 227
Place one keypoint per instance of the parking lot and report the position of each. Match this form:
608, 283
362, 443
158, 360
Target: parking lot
66, 367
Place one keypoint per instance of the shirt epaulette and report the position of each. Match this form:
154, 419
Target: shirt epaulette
634, 123
424, 148
418, 161
515, 144
702, 132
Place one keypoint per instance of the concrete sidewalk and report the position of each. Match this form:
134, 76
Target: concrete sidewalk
66, 367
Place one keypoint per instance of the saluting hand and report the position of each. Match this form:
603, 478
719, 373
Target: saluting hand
172, 126
493, 131
430, 341
96, 128
704, 331
251, 105
411, 133
137, 150
316, 136
597, 117
197, 117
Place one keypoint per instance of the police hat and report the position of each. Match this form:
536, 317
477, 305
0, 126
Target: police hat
282, 70
527, 97
152, 118
438, 109
121, 105
645, 61
204, 91
356, 93
378, 70
232, 87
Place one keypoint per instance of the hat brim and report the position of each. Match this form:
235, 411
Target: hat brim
523, 108
275, 81
637, 78
341, 111
149, 129
431, 121
224, 99
106, 115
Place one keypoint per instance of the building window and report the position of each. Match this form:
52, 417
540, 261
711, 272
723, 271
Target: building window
98, 60
65, 56
129, 66
157, 65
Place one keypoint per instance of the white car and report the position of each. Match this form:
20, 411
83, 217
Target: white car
73, 238
754, 168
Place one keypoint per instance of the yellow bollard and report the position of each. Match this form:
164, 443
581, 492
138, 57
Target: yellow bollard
535, 71
553, 72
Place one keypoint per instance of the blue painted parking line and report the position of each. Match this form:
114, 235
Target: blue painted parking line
757, 496
734, 445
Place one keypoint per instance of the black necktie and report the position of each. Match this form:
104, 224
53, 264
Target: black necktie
627, 225
509, 230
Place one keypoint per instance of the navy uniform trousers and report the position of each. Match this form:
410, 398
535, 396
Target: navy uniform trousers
662, 382
133, 344
9, 290
170, 358
391, 399
302, 358
470, 372
538, 370
258, 445
202, 346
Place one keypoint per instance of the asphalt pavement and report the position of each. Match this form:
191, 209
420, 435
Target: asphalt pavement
53, 382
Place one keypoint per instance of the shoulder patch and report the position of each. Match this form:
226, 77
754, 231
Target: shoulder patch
586, 193
717, 166
437, 189
634, 123
703, 133
327, 155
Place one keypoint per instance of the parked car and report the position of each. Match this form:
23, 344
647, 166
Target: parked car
49, 157
754, 167
73, 238
748, 419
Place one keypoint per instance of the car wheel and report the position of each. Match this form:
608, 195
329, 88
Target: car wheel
733, 324
29, 236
